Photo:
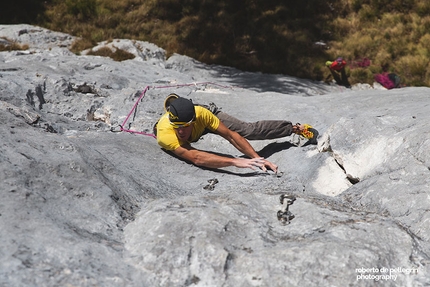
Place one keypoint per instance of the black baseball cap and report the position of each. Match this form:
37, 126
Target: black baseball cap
181, 110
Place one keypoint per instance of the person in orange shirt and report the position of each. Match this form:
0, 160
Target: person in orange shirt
337, 69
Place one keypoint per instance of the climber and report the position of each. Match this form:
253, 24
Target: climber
337, 69
184, 123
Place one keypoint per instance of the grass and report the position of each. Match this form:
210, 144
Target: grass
12, 46
263, 35
115, 54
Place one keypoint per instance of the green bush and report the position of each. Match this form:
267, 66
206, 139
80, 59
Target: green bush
361, 75
117, 55
423, 8
262, 35
12, 46
82, 9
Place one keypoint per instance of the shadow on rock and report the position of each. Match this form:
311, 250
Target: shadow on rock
272, 148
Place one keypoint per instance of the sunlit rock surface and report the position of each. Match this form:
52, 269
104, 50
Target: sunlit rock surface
86, 204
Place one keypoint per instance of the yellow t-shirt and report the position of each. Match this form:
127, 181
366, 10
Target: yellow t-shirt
166, 136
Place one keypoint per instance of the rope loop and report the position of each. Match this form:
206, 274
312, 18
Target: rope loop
142, 95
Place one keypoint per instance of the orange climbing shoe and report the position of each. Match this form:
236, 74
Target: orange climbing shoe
308, 132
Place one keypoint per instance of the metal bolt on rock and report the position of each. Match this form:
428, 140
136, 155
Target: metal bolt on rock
284, 216
211, 184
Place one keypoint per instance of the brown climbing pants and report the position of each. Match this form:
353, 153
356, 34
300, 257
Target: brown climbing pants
261, 130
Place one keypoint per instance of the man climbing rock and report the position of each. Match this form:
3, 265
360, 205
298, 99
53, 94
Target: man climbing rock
184, 123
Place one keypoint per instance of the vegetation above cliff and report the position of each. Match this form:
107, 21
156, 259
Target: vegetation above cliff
290, 37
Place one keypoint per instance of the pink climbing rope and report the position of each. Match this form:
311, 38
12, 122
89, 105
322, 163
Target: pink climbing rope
158, 87
129, 114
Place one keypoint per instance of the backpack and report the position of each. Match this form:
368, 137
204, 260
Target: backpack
389, 81
395, 79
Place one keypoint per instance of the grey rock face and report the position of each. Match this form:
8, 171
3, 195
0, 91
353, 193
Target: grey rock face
84, 204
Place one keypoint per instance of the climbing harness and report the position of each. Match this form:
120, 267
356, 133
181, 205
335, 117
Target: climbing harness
284, 216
